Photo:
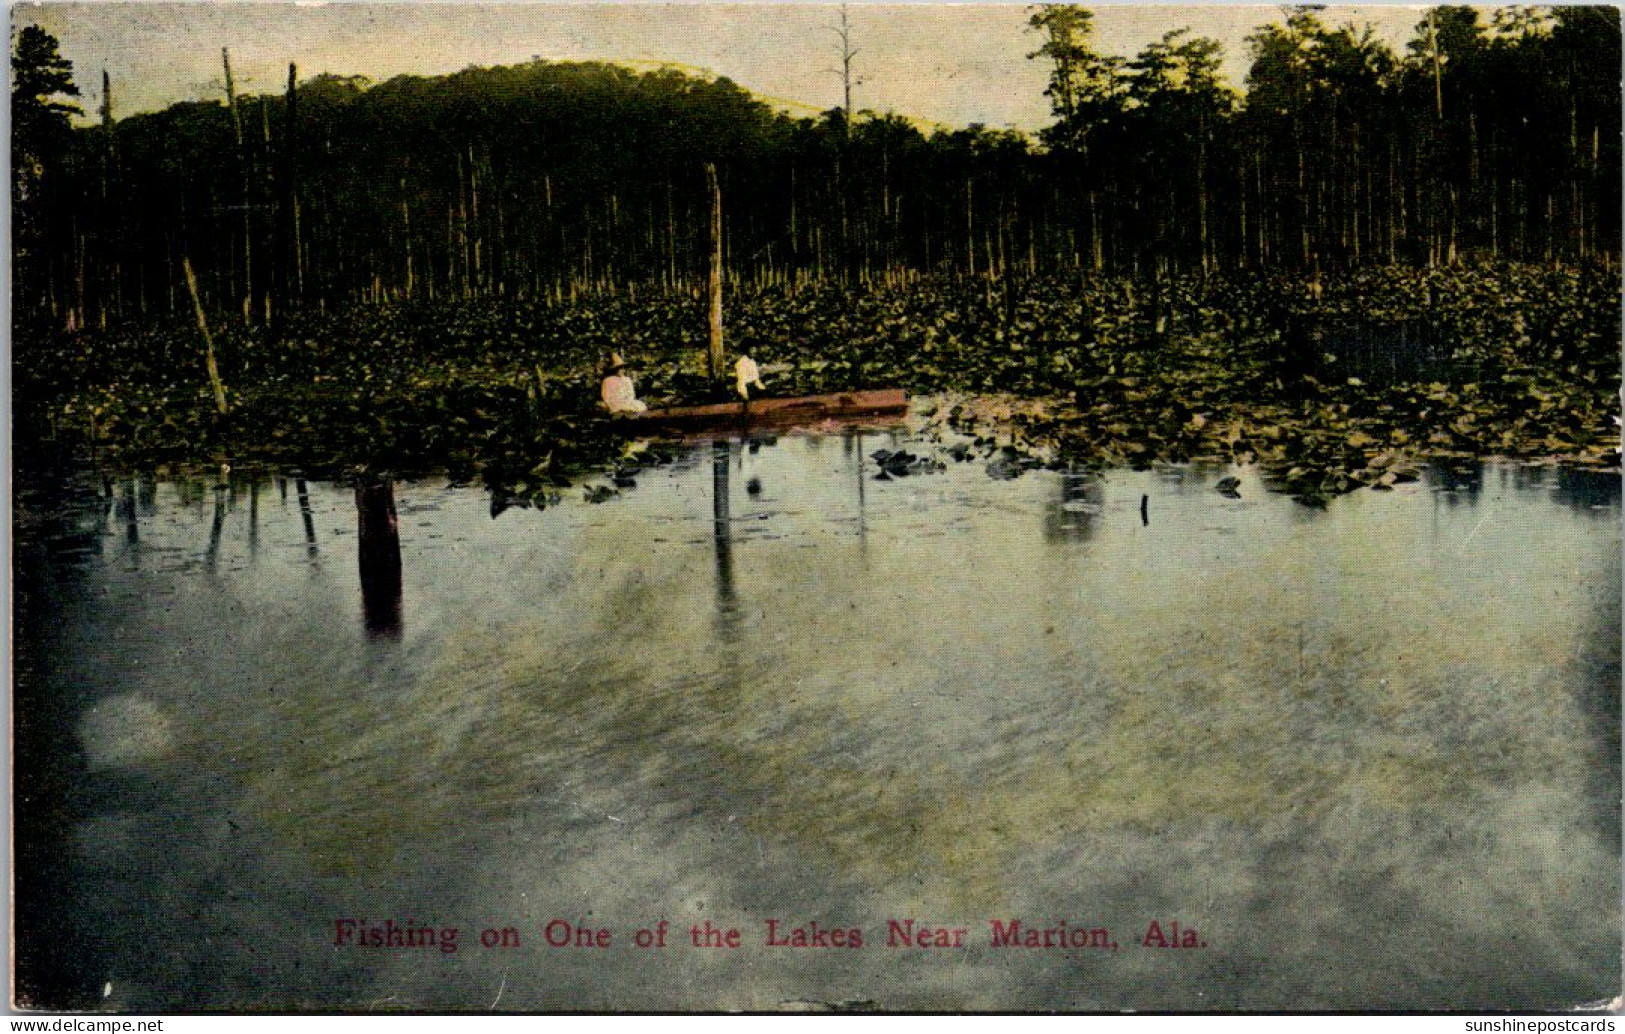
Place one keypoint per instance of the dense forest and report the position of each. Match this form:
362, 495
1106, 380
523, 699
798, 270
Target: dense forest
1496, 140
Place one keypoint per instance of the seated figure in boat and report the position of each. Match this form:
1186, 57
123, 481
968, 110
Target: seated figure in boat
620, 397
747, 373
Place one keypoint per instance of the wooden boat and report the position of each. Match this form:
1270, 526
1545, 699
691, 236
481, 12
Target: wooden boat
838, 406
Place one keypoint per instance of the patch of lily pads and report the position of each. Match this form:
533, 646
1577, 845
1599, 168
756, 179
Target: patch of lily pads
1326, 391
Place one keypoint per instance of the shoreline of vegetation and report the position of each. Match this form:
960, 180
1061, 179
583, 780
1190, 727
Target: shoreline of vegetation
1326, 384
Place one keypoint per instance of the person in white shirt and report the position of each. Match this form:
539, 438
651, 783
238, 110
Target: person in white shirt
620, 397
747, 373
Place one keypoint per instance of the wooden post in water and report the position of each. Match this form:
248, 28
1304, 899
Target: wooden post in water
714, 358
208, 342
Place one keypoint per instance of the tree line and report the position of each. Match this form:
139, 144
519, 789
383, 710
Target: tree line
1496, 140
1494, 135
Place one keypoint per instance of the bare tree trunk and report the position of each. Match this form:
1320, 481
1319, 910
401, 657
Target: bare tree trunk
406, 228
462, 229
474, 215
248, 219
270, 192
671, 240
847, 54
1438, 76
714, 356
1201, 203
970, 229
110, 284
287, 257
208, 341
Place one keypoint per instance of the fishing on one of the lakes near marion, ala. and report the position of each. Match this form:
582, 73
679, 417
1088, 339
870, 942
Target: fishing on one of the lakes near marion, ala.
389, 934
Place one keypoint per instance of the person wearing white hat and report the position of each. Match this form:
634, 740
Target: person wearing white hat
620, 397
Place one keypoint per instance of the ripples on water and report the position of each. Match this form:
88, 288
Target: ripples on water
1370, 752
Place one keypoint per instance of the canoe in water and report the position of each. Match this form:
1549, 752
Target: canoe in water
783, 411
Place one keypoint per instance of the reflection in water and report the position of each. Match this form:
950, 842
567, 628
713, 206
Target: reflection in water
60, 952
305, 512
132, 528
722, 535
863, 521
1576, 488
1460, 482
1586, 489
979, 718
379, 550
218, 525
254, 517
1079, 502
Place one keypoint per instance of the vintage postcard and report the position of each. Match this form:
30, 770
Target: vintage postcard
815, 507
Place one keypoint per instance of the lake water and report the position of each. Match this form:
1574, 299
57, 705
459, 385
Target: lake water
1370, 754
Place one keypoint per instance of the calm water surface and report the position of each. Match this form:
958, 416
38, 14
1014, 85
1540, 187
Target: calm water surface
1370, 753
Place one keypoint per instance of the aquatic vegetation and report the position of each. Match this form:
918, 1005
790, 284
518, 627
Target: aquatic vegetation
1327, 391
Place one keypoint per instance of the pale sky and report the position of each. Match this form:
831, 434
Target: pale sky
948, 64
